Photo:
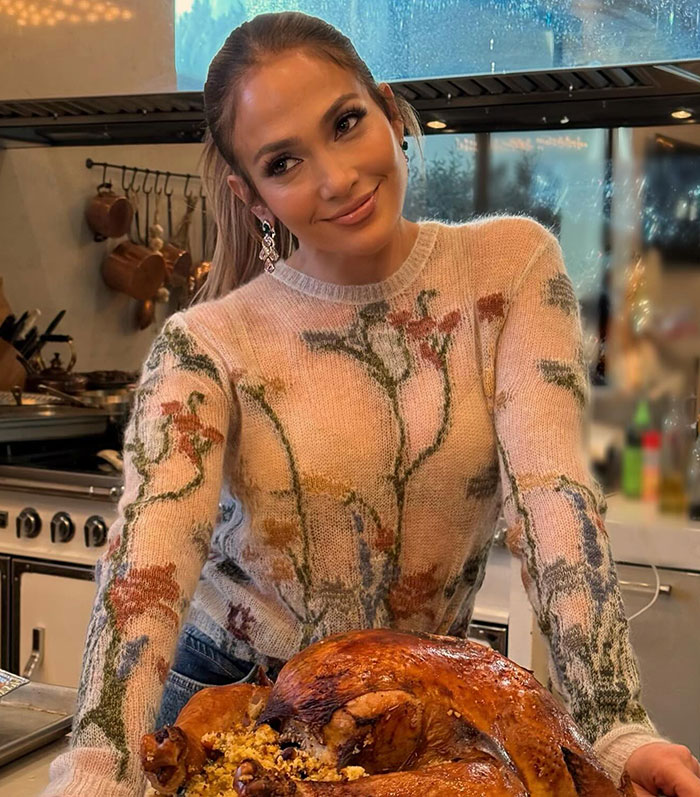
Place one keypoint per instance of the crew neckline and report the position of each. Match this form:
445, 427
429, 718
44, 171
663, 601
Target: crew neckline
371, 291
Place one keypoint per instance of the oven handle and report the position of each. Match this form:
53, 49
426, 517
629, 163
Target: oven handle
64, 490
37, 653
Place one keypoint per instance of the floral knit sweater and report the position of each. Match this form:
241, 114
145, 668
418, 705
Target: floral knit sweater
370, 436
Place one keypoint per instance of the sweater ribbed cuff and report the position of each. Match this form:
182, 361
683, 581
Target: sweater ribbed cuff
89, 772
613, 749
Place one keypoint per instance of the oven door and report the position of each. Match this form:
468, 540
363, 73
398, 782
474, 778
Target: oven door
51, 607
491, 635
4, 612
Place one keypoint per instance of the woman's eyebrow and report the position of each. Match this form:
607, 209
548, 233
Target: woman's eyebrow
293, 141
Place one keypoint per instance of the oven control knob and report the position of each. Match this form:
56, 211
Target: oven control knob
62, 527
28, 523
95, 532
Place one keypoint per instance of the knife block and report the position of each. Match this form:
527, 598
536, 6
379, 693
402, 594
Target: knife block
12, 372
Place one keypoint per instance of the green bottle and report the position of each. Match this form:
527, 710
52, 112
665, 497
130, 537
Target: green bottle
632, 454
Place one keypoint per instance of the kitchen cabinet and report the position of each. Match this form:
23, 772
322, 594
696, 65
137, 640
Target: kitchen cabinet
667, 644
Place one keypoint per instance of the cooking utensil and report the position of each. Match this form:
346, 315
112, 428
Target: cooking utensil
71, 400
111, 380
145, 313
19, 326
135, 270
56, 321
6, 327
55, 375
108, 214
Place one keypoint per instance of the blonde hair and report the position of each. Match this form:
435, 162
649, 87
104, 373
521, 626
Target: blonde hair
235, 260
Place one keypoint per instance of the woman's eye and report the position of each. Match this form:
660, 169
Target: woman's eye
276, 167
273, 167
345, 120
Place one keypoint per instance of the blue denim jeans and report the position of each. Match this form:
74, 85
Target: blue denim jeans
198, 663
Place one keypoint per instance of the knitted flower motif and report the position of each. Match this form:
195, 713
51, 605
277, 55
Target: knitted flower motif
318, 484
383, 539
162, 668
412, 594
491, 307
145, 589
239, 622
192, 434
431, 335
279, 533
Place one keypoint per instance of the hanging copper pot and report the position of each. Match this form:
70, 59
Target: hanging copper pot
108, 214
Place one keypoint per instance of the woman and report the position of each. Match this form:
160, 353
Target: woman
369, 401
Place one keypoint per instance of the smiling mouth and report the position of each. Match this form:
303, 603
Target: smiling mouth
360, 203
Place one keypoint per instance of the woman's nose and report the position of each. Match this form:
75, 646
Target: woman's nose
335, 178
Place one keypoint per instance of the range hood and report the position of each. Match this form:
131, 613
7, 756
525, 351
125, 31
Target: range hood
555, 99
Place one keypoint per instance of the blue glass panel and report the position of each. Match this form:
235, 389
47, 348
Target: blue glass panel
410, 39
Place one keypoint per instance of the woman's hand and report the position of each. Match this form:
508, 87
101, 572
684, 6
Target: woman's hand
661, 768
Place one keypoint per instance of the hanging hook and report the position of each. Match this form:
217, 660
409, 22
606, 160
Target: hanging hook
187, 182
104, 175
155, 187
167, 182
145, 180
133, 180
125, 188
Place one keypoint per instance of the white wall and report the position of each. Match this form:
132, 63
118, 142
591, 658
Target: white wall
85, 58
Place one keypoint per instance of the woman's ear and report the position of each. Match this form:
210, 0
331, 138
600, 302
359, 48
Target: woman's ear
241, 189
396, 118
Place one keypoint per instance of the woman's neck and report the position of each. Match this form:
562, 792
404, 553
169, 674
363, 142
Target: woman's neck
341, 269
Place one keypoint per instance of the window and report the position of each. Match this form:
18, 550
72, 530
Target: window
404, 39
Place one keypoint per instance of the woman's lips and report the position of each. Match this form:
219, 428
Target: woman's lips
360, 213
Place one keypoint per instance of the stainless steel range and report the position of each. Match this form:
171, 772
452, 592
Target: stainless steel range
57, 501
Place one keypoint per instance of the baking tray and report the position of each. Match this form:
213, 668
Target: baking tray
32, 716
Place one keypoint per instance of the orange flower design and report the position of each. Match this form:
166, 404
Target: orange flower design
162, 668
450, 322
383, 539
279, 533
145, 589
412, 593
491, 307
420, 327
428, 353
190, 430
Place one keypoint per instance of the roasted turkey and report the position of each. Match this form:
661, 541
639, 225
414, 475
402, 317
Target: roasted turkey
423, 715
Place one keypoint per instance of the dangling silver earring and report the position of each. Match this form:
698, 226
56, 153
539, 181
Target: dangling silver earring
268, 253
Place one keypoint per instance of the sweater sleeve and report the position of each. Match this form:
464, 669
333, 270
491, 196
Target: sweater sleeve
173, 463
554, 508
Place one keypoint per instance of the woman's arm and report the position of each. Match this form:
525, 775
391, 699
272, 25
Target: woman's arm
173, 464
554, 508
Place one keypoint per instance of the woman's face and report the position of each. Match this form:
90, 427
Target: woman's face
340, 148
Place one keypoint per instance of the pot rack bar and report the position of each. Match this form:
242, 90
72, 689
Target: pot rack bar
90, 163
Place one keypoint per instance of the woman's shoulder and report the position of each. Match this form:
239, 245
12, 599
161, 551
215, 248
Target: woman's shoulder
498, 248
499, 231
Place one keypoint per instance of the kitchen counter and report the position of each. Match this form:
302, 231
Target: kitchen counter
640, 534
27, 776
